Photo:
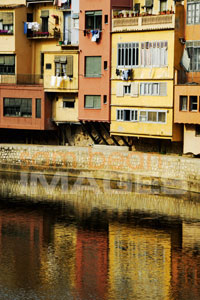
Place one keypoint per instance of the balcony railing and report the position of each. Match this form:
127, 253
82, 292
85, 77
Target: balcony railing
21, 79
54, 34
130, 22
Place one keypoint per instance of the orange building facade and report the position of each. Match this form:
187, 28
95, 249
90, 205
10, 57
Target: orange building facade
187, 87
95, 58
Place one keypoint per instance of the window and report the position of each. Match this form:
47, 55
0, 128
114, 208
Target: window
93, 66
153, 116
197, 130
6, 22
127, 115
45, 20
93, 101
127, 89
193, 103
41, 65
106, 19
64, 66
48, 66
105, 99
128, 54
163, 5
68, 103
154, 54
183, 103
7, 64
193, 13
194, 54
93, 20
38, 108
17, 107
149, 89
105, 65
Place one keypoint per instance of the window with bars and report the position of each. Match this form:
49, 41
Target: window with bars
7, 64
130, 115
17, 107
152, 116
193, 13
127, 89
154, 54
128, 54
153, 88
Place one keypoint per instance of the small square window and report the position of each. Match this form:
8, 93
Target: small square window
48, 66
68, 104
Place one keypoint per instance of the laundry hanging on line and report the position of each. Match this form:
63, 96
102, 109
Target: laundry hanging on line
95, 35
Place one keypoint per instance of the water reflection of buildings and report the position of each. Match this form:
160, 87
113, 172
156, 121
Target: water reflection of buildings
186, 264
21, 238
91, 264
139, 263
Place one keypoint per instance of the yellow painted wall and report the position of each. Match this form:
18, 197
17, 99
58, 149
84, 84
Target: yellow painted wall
139, 263
142, 129
61, 114
66, 85
141, 74
7, 42
156, 5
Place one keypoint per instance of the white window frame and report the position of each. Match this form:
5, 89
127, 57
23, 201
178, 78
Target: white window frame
157, 113
126, 56
193, 13
127, 89
154, 54
146, 89
120, 115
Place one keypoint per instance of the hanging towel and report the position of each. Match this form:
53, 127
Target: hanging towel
59, 80
53, 80
95, 35
125, 74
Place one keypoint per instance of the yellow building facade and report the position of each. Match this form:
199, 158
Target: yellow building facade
54, 60
145, 43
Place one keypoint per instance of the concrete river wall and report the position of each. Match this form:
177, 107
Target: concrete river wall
102, 162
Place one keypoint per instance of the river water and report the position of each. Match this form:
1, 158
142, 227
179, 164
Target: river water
138, 244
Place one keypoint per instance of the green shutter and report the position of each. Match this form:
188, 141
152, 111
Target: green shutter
7, 18
2, 59
44, 14
97, 102
93, 66
89, 102
10, 60
69, 69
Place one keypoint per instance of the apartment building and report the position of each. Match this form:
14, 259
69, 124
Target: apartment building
146, 55
187, 89
95, 59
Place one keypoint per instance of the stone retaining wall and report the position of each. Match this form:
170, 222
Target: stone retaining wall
106, 162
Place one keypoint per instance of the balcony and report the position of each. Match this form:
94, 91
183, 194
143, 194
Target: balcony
130, 21
53, 34
21, 79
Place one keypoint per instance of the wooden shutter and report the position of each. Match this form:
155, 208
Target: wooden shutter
69, 65
119, 89
97, 101
9, 60
163, 89
7, 18
134, 89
